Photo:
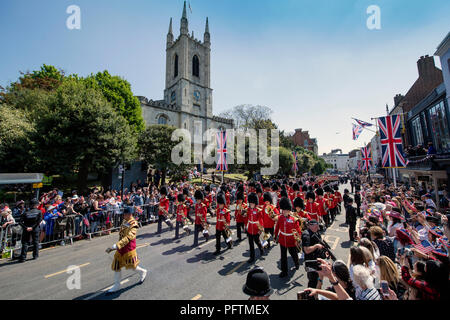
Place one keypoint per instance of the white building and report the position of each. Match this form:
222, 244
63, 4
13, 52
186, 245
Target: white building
339, 161
443, 52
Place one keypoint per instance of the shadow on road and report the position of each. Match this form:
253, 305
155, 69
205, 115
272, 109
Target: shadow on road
180, 249
105, 296
204, 256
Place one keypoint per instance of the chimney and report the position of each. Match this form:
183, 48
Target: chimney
397, 99
425, 65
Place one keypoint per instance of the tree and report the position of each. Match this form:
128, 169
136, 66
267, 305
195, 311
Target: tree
286, 141
155, 147
81, 132
286, 160
15, 140
118, 92
248, 116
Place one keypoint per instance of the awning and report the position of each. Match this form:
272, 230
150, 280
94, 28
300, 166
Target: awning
20, 178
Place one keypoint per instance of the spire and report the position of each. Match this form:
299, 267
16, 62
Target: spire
184, 22
207, 36
170, 35
170, 26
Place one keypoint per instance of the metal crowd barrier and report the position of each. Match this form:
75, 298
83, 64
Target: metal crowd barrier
62, 230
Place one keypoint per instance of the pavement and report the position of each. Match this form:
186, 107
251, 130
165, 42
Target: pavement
176, 271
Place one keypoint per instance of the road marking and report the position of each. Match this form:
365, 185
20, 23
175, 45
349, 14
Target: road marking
197, 297
66, 270
335, 241
235, 268
143, 245
206, 243
106, 289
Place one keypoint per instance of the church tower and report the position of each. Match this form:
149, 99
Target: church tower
188, 71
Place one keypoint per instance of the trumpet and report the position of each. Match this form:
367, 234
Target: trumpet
165, 213
263, 236
205, 224
228, 233
242, 209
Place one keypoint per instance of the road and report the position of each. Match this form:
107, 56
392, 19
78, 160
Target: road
176, 271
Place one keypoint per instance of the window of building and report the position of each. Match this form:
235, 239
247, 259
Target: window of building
195, 66
162, 119
416, 128
439, 127
175, 66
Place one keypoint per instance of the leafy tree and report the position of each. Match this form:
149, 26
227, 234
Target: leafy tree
15, 140
118, 92
286, 161
155, 147
81, 132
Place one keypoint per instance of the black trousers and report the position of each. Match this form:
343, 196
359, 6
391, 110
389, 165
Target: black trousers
313, 279
272, 232
351, 231
252, 239
160, 221
294, 254
358, 210
240, 227
333, 213
25, 243
197, 229
326, 219
218, 234
179, 224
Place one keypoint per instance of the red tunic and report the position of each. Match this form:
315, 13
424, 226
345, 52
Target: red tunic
267, 221
238, 213
312, 210
164, 204
223, 215
227, 199
181, 212
254, 216
321, 206
200, 211
284, 228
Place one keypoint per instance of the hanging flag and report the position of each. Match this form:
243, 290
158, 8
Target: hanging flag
295, 167
356, 131
359, 164
221, 138
363, 123
366, 158
391, 142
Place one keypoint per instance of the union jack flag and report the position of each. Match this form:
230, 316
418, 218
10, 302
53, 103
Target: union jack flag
424, 246
366, 158
356, 131
221, 138
295, 167
359, 164
391, 142
363, 123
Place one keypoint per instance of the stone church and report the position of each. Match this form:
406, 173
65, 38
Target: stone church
187, 100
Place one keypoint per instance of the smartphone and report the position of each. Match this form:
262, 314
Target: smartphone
313, 265
384, 287
302, 295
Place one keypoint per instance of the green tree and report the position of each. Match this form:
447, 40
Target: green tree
15, 140
118, 92
155, 147
286, 161
82, 133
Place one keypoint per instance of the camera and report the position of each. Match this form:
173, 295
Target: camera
408, 252
302, 295
312, 265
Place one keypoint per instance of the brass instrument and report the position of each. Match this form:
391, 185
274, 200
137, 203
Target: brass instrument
298, 240
263, 236
205, 224
164, 213
271, 213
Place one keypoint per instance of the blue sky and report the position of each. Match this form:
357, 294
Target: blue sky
315, 63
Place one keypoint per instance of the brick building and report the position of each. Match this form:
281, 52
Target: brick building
302, 139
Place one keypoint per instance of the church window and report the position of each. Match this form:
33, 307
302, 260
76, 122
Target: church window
195, 66
175, 66
162, 119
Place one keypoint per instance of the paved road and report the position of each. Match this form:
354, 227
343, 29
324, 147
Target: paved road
176, 271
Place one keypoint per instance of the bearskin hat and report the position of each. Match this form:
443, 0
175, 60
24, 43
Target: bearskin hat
298, 203
163, 190
283, 193
259, 189
310, 195
319, 191
208, 188
252, 198
240, 188
198, 195
240, 195
336, 188
295, 187
180, 197
186, 191
267, 197
285, 204
327, 189
275, 187
305, 188
221, 198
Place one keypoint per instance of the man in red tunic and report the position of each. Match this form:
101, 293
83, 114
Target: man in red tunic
311, 206
163, 210
201, 223
268, 222
285, 230
181, 215
240, 214
222, 222
254, 224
